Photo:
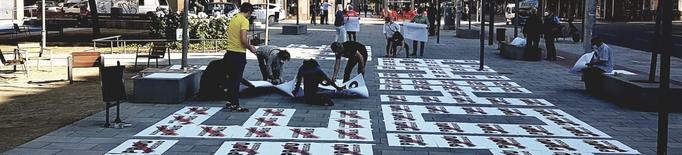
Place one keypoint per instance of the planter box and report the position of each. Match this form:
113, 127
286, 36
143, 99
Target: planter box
519, 53
294, 29
166, 87
631, 91
468, 34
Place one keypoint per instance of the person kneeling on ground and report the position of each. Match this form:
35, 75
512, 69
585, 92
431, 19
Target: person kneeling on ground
312, 76
602, 62
356, 54
270, 60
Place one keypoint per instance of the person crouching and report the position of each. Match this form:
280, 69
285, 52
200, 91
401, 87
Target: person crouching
312, 76
270, 60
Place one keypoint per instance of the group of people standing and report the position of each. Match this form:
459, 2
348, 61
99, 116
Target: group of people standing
229, 74
549, 28
322, 10
395, 39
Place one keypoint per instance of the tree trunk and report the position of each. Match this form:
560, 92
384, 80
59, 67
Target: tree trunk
590, 19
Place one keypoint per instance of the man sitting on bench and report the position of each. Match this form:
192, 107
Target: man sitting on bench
602, 62
312, 76
270, 60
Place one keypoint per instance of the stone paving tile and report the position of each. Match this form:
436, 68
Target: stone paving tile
545, 79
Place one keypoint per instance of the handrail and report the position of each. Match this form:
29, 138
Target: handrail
115, 40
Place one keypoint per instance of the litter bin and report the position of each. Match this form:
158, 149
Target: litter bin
501, 34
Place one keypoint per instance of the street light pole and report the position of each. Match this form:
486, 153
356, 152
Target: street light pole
185, 33
491, 28
43, 31
482, 41
588, 23
664, 100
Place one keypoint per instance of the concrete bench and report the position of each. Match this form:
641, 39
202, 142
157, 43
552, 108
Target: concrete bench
634, 92
519, 53
294, 29
468, 34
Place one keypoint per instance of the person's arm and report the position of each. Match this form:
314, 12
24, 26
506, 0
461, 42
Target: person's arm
247, 83
297, 87
276, 68
361, 62
337, 63
243, 36
330, 81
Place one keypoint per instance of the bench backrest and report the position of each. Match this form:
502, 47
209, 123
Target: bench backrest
30, 47
158, 50
86, 59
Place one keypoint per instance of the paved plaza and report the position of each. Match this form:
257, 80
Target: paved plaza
437, 104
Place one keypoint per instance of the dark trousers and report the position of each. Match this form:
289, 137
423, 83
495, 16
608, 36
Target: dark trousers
421, 49
235, 63
352, 36
349, 68
324, 19
549, 44
593, 78
532, 43
312, 19
262, 65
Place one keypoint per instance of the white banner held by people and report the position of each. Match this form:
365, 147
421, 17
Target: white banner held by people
355, 87
418, 32
352, 24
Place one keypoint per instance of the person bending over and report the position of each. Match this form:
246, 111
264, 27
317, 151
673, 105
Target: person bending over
270, 60
312, 76
356, 54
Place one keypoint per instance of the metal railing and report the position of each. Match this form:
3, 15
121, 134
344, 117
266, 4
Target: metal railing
116, 41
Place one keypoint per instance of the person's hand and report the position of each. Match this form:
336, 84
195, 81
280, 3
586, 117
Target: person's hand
339, 88
252, 49
294, 92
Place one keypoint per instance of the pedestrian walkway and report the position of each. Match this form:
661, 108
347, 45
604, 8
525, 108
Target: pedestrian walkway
504, 108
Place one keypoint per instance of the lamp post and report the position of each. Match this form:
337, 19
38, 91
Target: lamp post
665, 38
482, 41
185, 33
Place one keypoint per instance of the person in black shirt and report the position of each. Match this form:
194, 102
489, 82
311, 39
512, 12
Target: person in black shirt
356, 54
532, 30
312, 76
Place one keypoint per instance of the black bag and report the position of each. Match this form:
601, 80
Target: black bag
211, 86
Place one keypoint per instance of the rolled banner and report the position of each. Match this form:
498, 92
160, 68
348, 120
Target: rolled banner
355, 87
580, 64
415, 31
352, 24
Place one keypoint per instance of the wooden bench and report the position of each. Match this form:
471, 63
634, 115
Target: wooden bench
83, 60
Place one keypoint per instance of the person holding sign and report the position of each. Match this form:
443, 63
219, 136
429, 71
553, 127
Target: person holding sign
356, 54
312, 76
350, 29
419, 19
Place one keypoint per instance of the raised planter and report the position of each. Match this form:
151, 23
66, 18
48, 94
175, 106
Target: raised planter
166, 87
468, 34
519, 53
294, 29
631, 91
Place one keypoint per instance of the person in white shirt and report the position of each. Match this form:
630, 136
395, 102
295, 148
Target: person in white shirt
324, 17
390, 29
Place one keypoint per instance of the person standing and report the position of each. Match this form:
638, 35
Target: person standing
419, 19
339, 21
324, 19
356, 54
392, 41
235, 57
313, 12
352, 34
432, 18
552, 26
532, 31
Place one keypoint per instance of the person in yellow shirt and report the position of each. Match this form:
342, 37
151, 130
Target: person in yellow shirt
235, 57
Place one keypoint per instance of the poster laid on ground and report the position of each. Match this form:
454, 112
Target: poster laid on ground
355, 87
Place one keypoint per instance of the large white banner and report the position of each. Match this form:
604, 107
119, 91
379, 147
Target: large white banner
355, 87
414, 31
352, 24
